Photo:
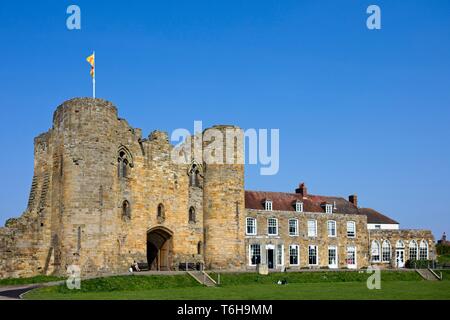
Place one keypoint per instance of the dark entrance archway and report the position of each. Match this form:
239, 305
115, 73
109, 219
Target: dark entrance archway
159, 249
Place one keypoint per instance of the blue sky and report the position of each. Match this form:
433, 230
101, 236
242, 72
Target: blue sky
359, 111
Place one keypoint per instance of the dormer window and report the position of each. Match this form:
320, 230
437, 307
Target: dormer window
299, 206
268, 205
329, 208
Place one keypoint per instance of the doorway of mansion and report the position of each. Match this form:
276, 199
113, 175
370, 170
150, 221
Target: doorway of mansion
159, 249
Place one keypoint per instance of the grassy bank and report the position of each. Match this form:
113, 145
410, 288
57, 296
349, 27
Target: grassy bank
395, 290
232, 279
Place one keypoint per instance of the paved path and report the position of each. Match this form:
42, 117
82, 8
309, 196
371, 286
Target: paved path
15, 292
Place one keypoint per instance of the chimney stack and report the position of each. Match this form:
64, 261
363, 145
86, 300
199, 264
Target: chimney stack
302, 190
353, 199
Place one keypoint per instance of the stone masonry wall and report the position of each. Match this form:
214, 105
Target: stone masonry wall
341, 241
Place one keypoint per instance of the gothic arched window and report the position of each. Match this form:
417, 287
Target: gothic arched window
124, 162
195, 175
199, 247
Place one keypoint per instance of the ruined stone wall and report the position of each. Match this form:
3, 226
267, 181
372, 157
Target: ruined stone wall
322, 241
25, 242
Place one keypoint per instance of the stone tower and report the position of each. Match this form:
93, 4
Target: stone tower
224, 198
84, 156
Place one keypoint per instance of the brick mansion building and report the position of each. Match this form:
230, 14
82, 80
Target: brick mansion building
103, 196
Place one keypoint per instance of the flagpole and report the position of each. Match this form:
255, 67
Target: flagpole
93, 78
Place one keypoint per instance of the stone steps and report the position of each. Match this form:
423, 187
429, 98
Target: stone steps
44, 191
428, 275
34, 185
203, 278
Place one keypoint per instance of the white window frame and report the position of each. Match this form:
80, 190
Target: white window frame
372, 254
255, 226
349, 223
268, 206
296, 227
413, 246
427, 247
310, 235
299, 206
355, 251
336, 265
329, 208
250, 254
316, 250
280, 255
335, 229
269, 226
386, 252
297, 247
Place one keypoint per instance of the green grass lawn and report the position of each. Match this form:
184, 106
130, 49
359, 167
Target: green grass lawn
302, 286
396, 290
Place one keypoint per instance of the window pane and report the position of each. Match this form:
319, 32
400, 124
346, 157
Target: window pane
386, 255
279, 255
272, 226
293, 227
423, 251
312, 228
375, 251
293, 255
251, 226
331, 228
332, 256
312, 255
351, 229
351, 256
413, 250
255, 254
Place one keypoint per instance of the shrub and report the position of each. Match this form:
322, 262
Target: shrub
419, 264
442, 249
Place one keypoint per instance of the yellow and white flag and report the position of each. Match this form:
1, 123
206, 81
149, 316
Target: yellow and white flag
91, 60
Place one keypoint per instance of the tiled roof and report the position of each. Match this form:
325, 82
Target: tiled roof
282, 201
374, 216
286, 202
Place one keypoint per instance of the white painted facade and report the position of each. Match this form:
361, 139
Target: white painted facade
382, 226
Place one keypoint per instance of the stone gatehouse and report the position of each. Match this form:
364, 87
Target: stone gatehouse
102, 196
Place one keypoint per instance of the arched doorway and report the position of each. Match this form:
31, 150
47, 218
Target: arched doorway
159, 249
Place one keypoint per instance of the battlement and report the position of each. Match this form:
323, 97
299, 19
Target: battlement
90, 107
